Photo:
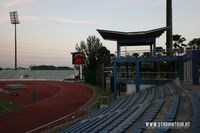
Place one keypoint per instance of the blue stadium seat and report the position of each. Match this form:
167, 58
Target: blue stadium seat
196, 111
171, 114
120, 115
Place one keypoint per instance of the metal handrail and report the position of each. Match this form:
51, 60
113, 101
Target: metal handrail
174, 52
59, 121
146, 75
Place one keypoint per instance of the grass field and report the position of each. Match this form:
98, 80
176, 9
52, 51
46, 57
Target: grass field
7, 106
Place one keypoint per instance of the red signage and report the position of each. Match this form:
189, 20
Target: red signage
78, 58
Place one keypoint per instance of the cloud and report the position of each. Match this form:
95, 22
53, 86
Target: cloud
30, 18
134, 3
34, 18
12, 3
160, 2
71, 21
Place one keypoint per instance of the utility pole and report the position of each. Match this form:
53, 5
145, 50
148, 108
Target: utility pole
169, 34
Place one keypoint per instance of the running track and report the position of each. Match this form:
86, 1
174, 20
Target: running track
55, 100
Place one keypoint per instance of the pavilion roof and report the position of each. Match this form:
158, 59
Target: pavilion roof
118, 35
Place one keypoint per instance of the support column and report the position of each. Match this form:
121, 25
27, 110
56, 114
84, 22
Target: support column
187, 71
184, 71
118, 50
154, 47
194, 68
118, 85
181, 70
137, 76
127, 71
115, 77
190, 70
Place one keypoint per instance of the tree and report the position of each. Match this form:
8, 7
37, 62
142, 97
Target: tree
194, 44
96, 54
91, 48
103, 56
181, 50
159, 51
179, 46
136, 55
146, 54
94, 51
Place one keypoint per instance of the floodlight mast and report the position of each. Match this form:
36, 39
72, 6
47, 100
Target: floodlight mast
14, 20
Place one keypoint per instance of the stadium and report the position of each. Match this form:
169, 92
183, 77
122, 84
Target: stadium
63, 106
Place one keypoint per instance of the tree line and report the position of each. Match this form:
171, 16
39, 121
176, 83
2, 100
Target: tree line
50, 67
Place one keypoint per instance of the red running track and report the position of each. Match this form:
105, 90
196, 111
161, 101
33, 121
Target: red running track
56, 99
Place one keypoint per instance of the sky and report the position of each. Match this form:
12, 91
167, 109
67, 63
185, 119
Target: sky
49, 29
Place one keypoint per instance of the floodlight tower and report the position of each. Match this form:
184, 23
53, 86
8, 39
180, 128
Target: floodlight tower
14, 20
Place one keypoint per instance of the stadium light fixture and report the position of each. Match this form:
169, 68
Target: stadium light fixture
14, 20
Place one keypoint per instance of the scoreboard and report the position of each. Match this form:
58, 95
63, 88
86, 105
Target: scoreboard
78, 58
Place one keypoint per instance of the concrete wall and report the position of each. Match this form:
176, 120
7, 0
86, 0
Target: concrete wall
188, 71
131, 88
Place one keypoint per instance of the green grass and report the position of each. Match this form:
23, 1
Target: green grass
103, 100
6, 106
98, 104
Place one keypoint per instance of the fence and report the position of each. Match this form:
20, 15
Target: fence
158, 52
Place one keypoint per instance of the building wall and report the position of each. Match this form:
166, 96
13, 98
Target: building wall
188, 71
